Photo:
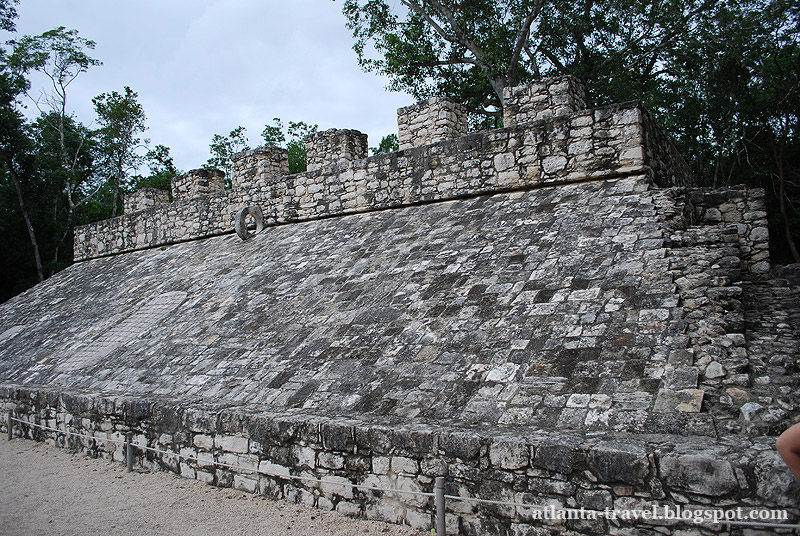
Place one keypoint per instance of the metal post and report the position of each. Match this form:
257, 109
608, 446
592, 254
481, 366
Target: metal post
128, 453
10, 427
438, 492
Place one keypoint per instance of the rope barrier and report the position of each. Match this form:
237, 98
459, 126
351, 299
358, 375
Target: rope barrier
439, 489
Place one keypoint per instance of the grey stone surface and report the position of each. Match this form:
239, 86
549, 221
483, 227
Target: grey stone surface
197, 182
542, 100
431, 121
609, 142
144, 198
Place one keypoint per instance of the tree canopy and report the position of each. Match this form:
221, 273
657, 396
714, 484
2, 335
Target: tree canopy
720, 75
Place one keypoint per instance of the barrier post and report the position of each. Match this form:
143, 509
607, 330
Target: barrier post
128, 453
10, 426
438, 492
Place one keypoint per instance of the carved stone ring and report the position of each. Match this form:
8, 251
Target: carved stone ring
241, 222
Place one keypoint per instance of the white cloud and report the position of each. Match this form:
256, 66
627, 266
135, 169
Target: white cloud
206, 66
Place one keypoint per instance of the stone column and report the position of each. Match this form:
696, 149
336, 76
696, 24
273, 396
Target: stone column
436, 119
197, 182
257, 167
335, 145
144, 198
546, 98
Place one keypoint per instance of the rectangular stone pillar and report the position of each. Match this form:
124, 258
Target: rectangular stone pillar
436, 119
335, 145
254, 168
546, 98
197, 182
144, 198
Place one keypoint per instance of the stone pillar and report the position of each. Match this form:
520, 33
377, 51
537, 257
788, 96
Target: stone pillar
436, 119
256, 167
543, 99
144, 198
197, 182
335, 145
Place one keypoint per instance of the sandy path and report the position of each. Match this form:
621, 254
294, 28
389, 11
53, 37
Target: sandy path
47, 490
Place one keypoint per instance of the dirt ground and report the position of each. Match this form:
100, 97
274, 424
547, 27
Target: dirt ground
47, 490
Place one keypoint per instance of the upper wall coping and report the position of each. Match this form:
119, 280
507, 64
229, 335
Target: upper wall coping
606, 142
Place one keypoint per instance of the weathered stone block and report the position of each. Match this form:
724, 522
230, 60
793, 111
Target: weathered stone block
197, 182
144, 198
509, 455
434, 120
684, 401
698, 473
334, 146
618, 461
546, 98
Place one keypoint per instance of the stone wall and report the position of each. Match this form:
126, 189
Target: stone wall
431, 121
144, 198
253, 169
542, 100
187, 219
335, 147
607, 142
196, 183
719, 255
541, 469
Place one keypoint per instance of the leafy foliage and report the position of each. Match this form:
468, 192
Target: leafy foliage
388, 144
224, 147
162, 170
121, 119
721, 76
296, 134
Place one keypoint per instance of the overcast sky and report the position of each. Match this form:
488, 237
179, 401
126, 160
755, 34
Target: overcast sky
203, 67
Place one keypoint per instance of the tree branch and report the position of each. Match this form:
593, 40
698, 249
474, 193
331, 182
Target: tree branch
522, 39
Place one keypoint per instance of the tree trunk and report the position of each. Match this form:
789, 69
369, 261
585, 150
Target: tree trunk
28, 224
782, 204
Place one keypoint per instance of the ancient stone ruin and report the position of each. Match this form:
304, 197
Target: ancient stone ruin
546, 314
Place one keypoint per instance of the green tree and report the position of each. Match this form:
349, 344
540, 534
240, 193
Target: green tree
718, 75
388, 144
8, 12
296, 134
121, 120
162, 169
61, 55
471, 50
224, 147
16, 145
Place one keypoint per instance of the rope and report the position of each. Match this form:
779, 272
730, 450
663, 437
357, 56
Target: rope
583, 511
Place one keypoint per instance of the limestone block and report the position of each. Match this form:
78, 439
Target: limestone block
509, 455
433, 120
683, 401
239, 445
617, 461
698, 473
335, 145
197, 182
144, 198
546, 98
